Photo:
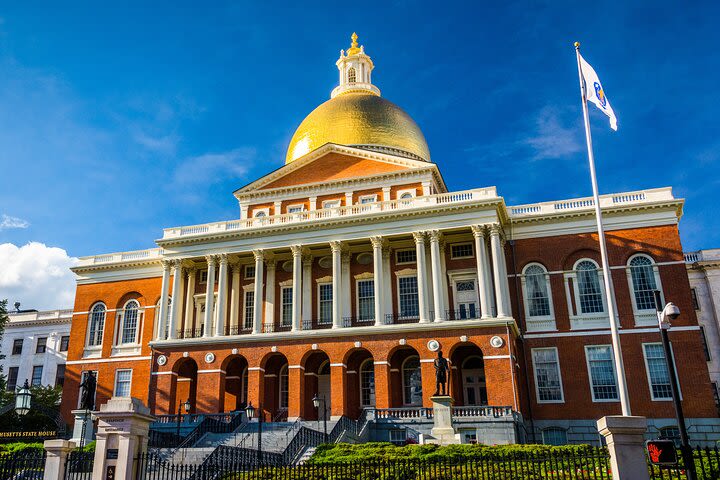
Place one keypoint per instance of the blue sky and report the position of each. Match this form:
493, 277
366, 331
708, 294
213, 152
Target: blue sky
118, 121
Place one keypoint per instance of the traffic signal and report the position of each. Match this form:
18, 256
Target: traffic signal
661, 452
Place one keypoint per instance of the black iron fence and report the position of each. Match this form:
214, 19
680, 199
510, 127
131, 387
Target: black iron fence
706, 464
79, 465
24, 465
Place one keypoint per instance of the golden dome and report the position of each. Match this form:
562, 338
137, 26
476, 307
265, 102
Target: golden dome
361, 119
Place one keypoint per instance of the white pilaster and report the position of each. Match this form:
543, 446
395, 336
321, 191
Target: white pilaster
436, 276
426, 188
348, 198
307, 290
244, 211
209, 297
336, 248
482, 270
378, 286
498, 258
176, 302
162, 317
189, 298
222, 296
235, 299
269, 297
386, 194
313, 203
421, 276
258, 299
297, 288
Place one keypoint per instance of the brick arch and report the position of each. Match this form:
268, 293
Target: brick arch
310, 386
184, 384
569, 261
234, 387
459, 355
133, 295
396, 358
274, 364
353, 359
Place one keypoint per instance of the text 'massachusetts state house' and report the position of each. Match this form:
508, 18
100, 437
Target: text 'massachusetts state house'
349, 265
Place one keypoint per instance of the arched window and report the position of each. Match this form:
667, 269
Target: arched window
588, 285
643, 282
406, 196
128, 332
537, 291
284, 387
367, 383
260, 214
97, 325
412, 381
554, 436
351, 75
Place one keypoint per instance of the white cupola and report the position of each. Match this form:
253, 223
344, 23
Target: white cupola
355, 71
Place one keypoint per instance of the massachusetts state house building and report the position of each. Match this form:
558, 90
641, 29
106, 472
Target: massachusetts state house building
349, 266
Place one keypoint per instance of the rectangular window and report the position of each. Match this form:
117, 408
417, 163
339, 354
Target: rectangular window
122, 383
398, 437
37, 375
17, 346
547, 375
286, 310
64, 343
408, 297
366, 299
331, 203
60, 376
461, 250
657, 371
706, 349
12, 378
405, 256
693, 294
249, 310
41, 345
368, 198
603, 383
249, 271
325, 303
295, 208
203, 276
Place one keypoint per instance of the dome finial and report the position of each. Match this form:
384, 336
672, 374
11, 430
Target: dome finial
354, 45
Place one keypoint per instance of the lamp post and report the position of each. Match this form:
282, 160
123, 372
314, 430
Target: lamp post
186, 406
250, 411
316, 403
23, 399
665, 315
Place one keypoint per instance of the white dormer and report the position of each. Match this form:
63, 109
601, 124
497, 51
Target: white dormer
355, 71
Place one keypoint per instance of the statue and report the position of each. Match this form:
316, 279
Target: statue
87, 395
441, 369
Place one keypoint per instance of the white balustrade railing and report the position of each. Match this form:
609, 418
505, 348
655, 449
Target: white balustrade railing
120, 257
692, 257
587, 203
336, 212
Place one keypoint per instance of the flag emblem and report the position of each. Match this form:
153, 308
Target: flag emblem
594, 92
600, 94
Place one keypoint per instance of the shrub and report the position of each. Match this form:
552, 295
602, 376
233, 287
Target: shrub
16, 447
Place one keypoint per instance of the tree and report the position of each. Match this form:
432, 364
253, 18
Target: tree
5, 396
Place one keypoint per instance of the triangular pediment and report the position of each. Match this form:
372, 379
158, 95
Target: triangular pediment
332, 163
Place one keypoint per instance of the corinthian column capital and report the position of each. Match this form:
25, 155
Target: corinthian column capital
496, 229
166, 264
479, 231
336, 246
435, 235
259, 255
210, 259
377, 241
419, 237
222, 259
296, 250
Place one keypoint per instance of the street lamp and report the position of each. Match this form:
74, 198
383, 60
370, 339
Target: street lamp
250, 411
23, 398
665, 315
186, 405
316, 403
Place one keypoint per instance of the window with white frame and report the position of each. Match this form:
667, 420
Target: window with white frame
249, 312
461, 250
36, 379
537, 291
331, 203
203, 276
261, 213
405, 256
296, 208
643, 282
351, 75
325, 303
366, 299
548, 382
657, 371
588, 286
603, 383
398, 436
367, 383
284, 389
249, 271
286, 306
97, 325
554, 436
412, 381
130, 322
406, 194
122, 383
408, 296
368, 198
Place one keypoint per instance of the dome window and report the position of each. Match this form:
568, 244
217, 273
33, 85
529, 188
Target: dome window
351, 75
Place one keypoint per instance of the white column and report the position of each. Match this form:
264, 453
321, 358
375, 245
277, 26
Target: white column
336, 248
387, 291
222, 296
190, 298
244, 211
235, 328
436, 276
258, 295
379, 284
429, 290
209, 297
421, 275
346, 303
482, 268
162, 316
348, 198
307, 291
426, 188
505, 285
269, 297
176, 302
297, 288
313, 203
444, 277
498, 258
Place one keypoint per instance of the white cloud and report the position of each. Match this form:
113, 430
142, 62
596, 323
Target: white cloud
37, 276
162, 144
6, 222
552, 139
215, 167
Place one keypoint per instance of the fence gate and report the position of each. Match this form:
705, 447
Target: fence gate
79, 465
28, 464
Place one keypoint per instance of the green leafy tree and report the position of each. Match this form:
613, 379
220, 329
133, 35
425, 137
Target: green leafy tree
5, 396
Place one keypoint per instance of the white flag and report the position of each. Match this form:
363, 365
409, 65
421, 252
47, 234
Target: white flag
595, 92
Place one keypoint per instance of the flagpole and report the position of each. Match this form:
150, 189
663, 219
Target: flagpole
609, 292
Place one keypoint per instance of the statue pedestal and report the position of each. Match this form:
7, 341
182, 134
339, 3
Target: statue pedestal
443, 432
83, 420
